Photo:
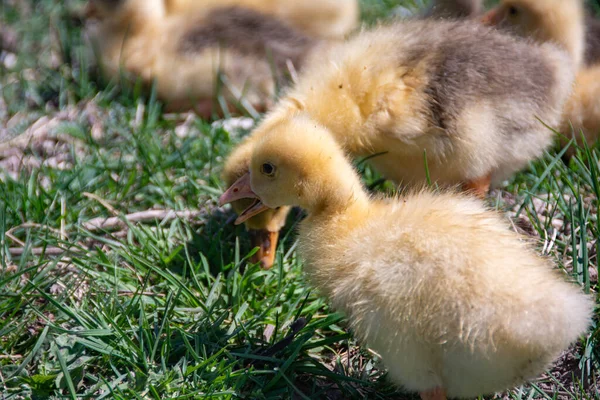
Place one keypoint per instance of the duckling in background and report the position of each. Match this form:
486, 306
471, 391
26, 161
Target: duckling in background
462, 96
455, 8
556, 21
455, 303
562, 22
184, 53
326, 19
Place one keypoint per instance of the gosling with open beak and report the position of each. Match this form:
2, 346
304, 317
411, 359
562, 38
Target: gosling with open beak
241, 190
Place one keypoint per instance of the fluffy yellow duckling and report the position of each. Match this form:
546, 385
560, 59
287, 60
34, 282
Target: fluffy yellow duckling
455, 303
455, 8
329, 19
562, 22
184, 53
450, 91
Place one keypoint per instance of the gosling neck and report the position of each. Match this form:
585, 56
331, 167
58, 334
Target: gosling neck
341, 194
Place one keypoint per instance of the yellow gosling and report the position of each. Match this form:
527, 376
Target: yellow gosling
455, 302
185, 53
327, 19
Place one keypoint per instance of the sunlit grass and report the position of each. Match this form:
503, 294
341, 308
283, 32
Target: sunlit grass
170, 307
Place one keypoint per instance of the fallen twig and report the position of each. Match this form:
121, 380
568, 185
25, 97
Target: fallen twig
100, 200
37, 251
14, 239
142, 216
29, 225
10, 357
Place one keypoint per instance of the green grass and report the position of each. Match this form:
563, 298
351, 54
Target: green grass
170, 308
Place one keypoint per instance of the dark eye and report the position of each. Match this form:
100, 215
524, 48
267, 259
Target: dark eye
268, 169
512, 11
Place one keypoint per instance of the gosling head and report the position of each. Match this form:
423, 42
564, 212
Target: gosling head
296, 163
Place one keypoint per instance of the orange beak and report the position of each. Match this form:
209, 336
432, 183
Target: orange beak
241, 190
493, 17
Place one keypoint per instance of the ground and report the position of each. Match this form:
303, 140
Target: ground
120, 277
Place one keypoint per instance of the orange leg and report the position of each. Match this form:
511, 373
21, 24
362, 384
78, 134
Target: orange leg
434, 394
266, 242
479, 187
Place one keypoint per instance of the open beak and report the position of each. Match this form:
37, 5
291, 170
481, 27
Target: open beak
493, 17
241, 190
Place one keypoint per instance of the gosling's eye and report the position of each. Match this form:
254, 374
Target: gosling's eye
512, 11
268, 169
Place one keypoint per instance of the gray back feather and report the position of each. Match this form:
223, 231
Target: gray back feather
249, 33
468, 63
